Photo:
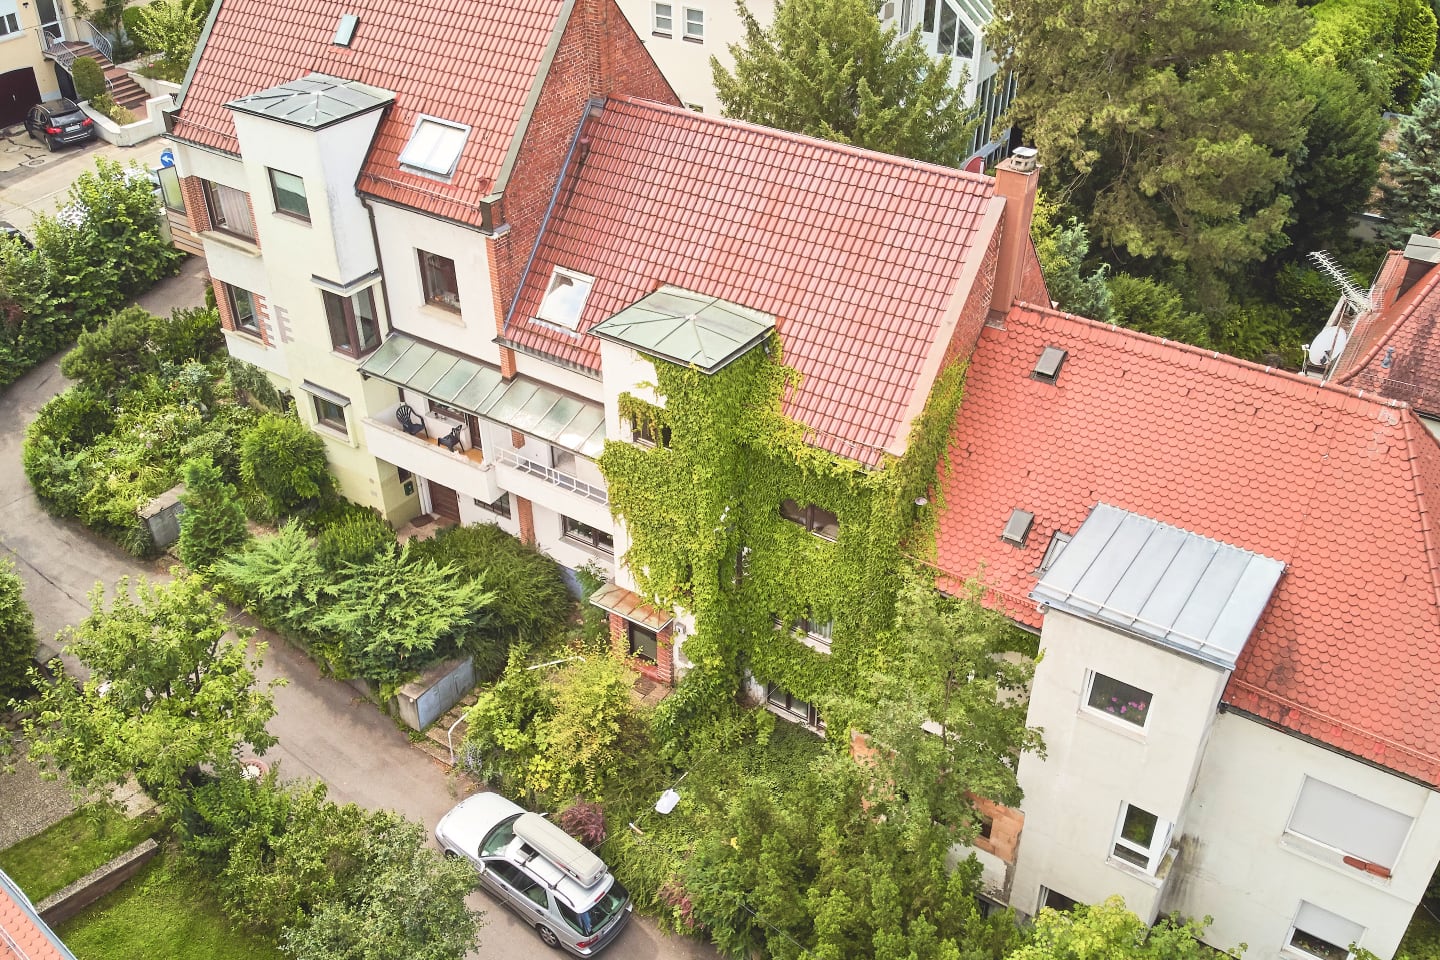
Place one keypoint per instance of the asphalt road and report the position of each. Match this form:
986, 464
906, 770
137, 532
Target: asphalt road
325, 729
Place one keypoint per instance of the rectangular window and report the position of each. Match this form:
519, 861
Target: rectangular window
1056, 900
565, 298
435, 146
643, 433
643, 643
792, 706
819, 629
1350, 824
822, 523
354, 329
664, 18
1322, 934
242, 308
1141, 838
8, 25
694, 24
331, 414
289, 193
170, 189
583, 533
437, 274
501, 507
1119, 700
229, 210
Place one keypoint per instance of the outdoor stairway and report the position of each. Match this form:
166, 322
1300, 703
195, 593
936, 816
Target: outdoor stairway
125, 90
435, 743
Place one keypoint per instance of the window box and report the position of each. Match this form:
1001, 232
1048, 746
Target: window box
354, 329
1118, 700
820, 522
437, 277
288, 192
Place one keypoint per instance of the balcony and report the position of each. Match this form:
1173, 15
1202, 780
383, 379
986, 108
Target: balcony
465, 471
554, 477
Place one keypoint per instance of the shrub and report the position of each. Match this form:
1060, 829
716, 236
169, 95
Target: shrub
171, 27
355, 539
17, 635
130, 18
249, 379
278, 578
212, 524
585, 821
285, 462
116, 353
89, 79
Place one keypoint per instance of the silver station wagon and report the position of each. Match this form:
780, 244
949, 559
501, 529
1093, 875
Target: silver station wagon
539, 871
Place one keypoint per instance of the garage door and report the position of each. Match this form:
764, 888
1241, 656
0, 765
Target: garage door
444, 502
18, 93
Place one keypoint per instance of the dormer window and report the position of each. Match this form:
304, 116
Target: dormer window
434, 147
565, 298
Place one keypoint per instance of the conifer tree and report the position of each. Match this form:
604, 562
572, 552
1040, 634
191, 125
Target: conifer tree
827, 68
1412, 197
213, 522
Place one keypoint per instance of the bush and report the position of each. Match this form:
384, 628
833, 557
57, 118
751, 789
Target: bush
130, 18
585, 821
17, 635
212, 524
171, 27
89, 79
355, 539
278, 578
106, 106
284, 461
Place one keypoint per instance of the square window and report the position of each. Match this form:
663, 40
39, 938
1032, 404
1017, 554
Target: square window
1141, 838
242, 309
331, 414
289, 193
792, 706
435, 146
9, 24
644, 644
1321, 934
1118, 699
823, 523
437, 277
644, 434
695, 24
354, 329
565, 298
664, 18
229, 210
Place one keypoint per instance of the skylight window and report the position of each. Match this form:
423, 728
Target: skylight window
1047, 368
434, 146
345, 31
565, 298
1017, 528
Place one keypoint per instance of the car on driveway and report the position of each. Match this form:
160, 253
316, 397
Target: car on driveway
539, 871
58, 122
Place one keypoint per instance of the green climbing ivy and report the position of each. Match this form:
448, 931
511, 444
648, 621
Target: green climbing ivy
693, 506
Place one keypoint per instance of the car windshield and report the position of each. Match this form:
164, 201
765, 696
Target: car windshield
499, 837
599, 915
63, 106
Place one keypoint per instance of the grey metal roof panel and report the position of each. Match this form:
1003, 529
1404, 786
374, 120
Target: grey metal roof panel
688, 328
315, 100
1193, 594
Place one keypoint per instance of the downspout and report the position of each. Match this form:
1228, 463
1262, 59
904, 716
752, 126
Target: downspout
379, 261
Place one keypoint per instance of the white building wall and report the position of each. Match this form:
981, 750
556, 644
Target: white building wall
1239, 865
1095, 763
686, 62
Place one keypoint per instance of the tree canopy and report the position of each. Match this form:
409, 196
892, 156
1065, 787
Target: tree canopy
1412, 197
1109, 931
17, 635
827, 68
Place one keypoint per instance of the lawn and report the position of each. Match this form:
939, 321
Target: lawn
165, 912
88, 838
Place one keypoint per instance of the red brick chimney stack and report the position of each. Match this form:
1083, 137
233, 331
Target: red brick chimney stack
1016, 179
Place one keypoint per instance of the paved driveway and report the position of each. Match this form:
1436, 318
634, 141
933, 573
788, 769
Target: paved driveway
325, 730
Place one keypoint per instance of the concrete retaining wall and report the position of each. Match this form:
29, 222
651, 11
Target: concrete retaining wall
59, 907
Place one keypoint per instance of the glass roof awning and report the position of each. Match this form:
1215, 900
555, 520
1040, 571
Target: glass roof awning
687, 328
520, 403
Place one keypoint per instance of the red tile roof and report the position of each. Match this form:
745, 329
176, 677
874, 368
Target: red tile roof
22, 927
855, 253
1341, 488
1395, 350
473, 63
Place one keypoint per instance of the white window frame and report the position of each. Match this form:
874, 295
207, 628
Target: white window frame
9, 25
426, 164
1359, 803
1108, 717
1153, 853
693, 36
656, 17
1294, 949
577, 279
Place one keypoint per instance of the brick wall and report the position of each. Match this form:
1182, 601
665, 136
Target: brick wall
525, 516
497, 303
599, 55
663, 669
193, 190
976, 308
1032, 287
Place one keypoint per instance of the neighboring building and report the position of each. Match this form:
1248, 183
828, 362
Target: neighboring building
33, 37
1393, 349
682, 37
23, 935
1235, 580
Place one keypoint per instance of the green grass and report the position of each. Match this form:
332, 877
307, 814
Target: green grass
165, 912
88, 838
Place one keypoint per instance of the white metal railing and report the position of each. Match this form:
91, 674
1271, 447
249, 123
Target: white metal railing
100, 41
562, 480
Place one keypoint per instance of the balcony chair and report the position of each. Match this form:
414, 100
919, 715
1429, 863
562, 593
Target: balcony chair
410, 423
451, 441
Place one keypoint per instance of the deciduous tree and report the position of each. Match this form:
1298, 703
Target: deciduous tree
1111, 931
17, 635
826, 68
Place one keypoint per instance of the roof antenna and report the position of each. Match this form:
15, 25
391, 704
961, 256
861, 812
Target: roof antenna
1358, 299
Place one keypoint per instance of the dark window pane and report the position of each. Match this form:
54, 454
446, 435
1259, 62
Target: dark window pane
340, 337
330, 414
438, 276
948, 22
824, 523
363, 304
289, 193
1318, 947
1118, 699
793, 512
930, 15
242, 305
644, 644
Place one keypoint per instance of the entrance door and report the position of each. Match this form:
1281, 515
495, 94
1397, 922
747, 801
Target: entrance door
444, 502
50, 25
18, 93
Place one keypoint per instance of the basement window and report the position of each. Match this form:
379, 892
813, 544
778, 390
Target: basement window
565, 298
1017, 528
1047, 368
1320, 934
434, 146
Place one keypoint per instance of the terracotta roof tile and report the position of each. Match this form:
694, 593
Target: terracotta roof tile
22, 927
854, 253
1395, 349
1341, 488
473, 64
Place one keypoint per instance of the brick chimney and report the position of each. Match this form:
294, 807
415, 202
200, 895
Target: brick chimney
1016, 179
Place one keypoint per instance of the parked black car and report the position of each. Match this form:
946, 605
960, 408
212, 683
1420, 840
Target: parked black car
8, 229
59, 122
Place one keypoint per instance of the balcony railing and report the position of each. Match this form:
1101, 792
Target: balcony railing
562, 480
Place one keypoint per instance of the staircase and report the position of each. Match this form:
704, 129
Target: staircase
435, 742
126, 91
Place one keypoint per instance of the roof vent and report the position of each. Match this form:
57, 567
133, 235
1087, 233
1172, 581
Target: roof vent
1017, 528
1047, 368
345, 32
1023, 159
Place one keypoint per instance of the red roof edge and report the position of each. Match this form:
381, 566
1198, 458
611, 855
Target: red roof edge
1404, 307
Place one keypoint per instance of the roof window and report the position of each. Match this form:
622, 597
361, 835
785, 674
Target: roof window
434, 146
1058, 540
345, 31
1017, 528
565, 298
1047, 368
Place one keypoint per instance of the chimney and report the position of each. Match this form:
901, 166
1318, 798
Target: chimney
1016, 179
1422, 254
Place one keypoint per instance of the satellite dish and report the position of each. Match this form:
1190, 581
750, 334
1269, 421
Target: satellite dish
667, 801
1327, 346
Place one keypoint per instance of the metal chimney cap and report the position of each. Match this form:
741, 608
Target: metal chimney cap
1022, 159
